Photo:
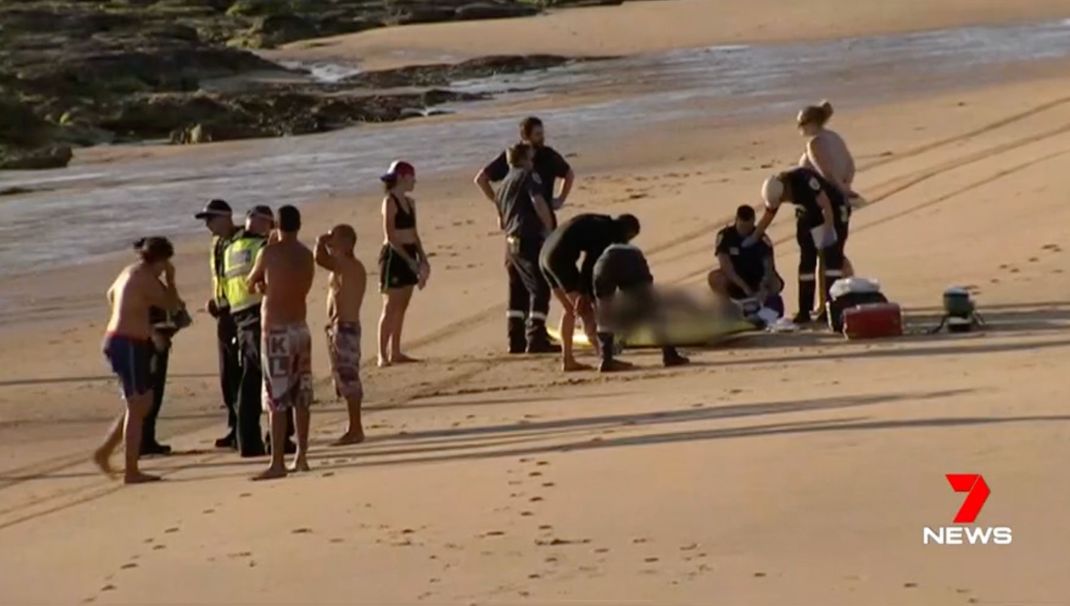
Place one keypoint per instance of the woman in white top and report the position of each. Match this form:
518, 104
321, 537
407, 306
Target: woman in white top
826, 151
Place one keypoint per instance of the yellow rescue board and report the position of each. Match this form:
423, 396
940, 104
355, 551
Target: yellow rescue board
693, 331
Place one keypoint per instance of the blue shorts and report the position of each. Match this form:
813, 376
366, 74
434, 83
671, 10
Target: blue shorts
131, 360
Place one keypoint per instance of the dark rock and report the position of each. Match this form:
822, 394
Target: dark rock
273, 30
443, 73
484, 10
51, 156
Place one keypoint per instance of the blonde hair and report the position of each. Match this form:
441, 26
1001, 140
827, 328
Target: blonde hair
815, 114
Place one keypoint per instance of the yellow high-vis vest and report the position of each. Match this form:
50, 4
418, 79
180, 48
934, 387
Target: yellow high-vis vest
238, 260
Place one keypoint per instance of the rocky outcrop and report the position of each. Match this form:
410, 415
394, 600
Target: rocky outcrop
47, 156
441, 74
80, 73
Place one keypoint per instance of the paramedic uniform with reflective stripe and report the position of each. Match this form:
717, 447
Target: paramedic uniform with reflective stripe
804, 186
529, 292
226, 334
238, 260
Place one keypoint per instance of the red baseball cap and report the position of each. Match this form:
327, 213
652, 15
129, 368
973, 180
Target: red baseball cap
398, 168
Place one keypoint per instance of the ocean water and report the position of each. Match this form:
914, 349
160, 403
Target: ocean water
98, 209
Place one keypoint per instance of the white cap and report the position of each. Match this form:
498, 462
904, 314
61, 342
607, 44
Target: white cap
772, 191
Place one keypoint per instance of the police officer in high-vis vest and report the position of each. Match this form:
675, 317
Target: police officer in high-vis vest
238, 259
218, 218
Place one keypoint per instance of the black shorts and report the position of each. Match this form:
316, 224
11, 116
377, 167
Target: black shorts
563, 275
395, 271
131, 360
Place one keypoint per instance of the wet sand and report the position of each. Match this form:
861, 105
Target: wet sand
787, 469
663, 25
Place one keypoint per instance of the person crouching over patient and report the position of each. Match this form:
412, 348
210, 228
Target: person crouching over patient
623, 268
746, 275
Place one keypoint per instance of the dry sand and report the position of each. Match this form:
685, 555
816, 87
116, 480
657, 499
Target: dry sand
792, 469
664, 25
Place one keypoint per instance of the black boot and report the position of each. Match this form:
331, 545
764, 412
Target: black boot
518, 340
670, 357
807, 290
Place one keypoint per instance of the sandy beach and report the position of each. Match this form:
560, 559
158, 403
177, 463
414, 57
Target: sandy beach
778, 469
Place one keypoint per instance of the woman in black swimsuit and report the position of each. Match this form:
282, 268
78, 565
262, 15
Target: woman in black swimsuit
402, 262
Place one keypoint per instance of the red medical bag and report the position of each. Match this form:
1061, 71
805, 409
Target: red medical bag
873, 321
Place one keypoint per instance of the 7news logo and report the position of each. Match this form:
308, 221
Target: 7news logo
977, 492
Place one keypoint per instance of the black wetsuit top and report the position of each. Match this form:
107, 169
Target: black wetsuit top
621, 267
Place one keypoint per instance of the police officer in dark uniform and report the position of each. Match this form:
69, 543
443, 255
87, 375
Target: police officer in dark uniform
745, 272
218, 218
550, 167
527, 219
623, 268
821, 215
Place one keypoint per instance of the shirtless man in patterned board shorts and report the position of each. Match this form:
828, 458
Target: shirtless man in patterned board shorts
334, 252
283, 273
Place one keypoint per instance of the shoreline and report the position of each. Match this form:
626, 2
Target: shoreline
660, 26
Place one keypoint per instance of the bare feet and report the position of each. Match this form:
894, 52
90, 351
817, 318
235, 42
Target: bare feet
271, 473
102, 459
299, 466
383, 362
349, 438
573, 366
402, 359
140, 478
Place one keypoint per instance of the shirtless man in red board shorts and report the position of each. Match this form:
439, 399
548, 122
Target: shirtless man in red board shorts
283, 272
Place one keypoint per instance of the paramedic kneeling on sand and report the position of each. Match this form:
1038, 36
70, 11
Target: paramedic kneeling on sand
821, 216
744, 272
623, 267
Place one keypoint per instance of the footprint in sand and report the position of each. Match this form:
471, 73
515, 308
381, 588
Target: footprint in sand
534, 474
689, 547
108, 587
171, 530
526, 514
245, 495
1051, 247
301, 531
910, 585
128, 566
208, 511
639, 541
548, 484
535, 499
493, 533
159, 547
546, 527
602, 550
759, 575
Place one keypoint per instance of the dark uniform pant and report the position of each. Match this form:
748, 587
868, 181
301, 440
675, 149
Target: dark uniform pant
628, 309
249, 407
529, 294
808, 255
159, 381
229, 366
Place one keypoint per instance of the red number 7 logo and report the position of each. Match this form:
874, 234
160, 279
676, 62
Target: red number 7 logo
974, 484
